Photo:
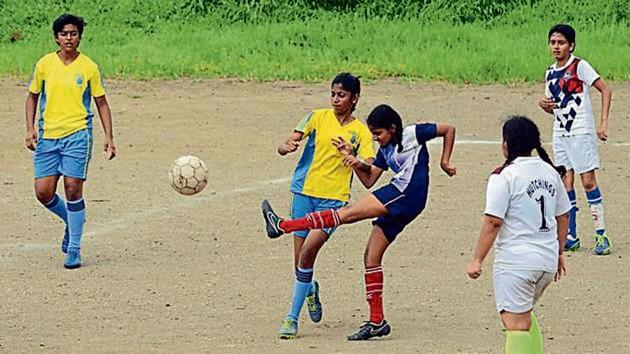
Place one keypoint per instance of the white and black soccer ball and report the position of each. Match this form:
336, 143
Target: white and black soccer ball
189, 175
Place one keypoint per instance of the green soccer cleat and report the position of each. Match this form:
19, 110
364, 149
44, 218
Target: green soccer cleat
572, 243
315, 309
288, 329
603, 246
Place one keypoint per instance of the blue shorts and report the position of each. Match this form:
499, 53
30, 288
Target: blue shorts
303, 204
403, 207
68, 156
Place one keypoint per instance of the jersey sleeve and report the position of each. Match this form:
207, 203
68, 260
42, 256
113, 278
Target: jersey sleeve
425, 132
586, 73
306, 124
366, 145
96, 84
37, 80
563, 204
497, 196
380, 161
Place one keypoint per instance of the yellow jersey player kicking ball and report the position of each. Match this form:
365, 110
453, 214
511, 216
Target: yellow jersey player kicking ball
64, 82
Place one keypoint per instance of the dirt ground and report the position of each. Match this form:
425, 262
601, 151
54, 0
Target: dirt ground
164, 273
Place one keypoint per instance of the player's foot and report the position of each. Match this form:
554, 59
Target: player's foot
73, 259
272, 221
288, 329
602, 245
315, 310
572, 243
64, 242
370, 330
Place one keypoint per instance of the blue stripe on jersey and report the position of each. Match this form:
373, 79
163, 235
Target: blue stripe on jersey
87, 97
303, 166
42, 107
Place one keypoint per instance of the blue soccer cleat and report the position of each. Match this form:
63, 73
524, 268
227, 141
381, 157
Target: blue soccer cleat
572, 243
603, 245
65, 241
315, 309
272, 221
73, 259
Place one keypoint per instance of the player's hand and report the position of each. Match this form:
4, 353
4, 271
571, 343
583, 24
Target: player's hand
31, 139
341, 145
109, 149
289, 146
350, 161
448, 168
602, 132
474, 269
546, 104
562, 269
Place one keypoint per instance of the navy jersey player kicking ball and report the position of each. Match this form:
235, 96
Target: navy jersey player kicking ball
567, 97
395, 205
527, 213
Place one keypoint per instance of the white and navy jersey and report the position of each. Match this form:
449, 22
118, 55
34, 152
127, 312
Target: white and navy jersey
569, 88
411, 165
528, 194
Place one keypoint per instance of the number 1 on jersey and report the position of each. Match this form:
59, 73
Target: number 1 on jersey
543, 225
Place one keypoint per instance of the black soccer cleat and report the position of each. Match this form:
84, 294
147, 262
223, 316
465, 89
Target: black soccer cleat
272, 221
370, 330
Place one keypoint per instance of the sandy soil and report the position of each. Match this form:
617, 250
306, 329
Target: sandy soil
166, 273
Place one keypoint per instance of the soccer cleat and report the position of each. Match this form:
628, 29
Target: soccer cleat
272, 221
370, 330
602, 245
73, 259
572, 243
65, 241
315, 310
288, 329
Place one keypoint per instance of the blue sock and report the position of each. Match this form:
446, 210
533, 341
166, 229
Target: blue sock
76, 219
58, 207
595, 202
572, 213
303, 284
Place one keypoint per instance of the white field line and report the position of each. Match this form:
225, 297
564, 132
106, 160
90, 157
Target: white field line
493, 142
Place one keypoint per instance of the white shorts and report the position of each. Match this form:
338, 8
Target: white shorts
578, 152
517, 291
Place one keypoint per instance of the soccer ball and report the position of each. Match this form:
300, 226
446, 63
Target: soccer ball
188, 175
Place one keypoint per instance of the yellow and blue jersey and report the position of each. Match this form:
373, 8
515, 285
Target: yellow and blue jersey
66, 93
320, 172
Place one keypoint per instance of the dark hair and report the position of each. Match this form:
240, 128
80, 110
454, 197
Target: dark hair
384, 116
522, 136
567, 31
68, 19
348, 82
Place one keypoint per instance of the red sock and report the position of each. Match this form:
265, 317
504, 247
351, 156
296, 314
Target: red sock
374, 292
316, 220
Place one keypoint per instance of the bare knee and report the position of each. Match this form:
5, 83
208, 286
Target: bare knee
589, 185
307, 257
516, 322
74, 190
44, 195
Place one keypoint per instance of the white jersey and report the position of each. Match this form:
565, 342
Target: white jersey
569, 88
528, 194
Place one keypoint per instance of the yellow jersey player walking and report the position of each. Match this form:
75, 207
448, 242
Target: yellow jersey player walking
64, 82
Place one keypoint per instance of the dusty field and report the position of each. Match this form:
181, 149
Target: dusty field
171, 274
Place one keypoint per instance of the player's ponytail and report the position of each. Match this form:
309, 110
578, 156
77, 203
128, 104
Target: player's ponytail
385, 117
521, 135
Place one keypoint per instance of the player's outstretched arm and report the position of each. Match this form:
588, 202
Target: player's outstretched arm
31, 134
448, 132
106, 120
602, 130
292, 143
489, 230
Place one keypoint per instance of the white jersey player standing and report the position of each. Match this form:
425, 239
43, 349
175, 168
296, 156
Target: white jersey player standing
528, 209
568, 83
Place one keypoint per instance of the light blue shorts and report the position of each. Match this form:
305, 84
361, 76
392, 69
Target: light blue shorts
304, 204
68, 156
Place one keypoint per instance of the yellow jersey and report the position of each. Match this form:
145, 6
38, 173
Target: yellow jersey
320, 172
66, 94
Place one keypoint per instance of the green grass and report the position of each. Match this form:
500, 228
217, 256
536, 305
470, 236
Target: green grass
156, 39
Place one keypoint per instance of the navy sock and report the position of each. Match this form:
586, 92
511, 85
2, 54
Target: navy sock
57, 206
572, 213
303, 284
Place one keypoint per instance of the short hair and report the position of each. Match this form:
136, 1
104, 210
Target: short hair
68, 19
567, 31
